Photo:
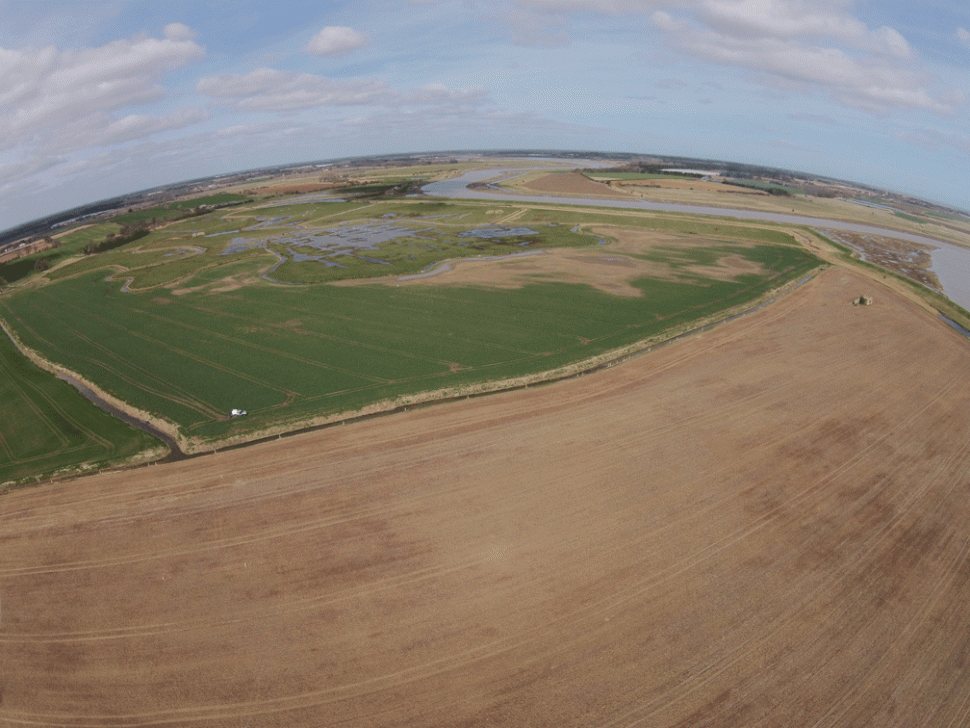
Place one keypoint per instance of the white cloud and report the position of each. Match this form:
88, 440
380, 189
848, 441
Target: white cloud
65, 113
814, 118
964, 35
816, 48
535, 29
45, 91
179, 31
803, 19
664, 21
12, 173
266, 89
99, 130
804, 45
423, 129
335, 40
270, 90
610, 7
440, 96
796, 19
936, 140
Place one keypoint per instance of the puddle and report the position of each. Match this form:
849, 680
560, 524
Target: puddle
367, 236
264, 223
303, 258
496, 232
332, 242
238, 245
354, 239
313, 197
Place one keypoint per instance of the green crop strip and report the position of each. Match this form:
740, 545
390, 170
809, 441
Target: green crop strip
48, 427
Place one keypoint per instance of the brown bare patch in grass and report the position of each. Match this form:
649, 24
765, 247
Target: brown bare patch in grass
728, 268
233, 283
636, 241
223, 285
604, 271
609, 268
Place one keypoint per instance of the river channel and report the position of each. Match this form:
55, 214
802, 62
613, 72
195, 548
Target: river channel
951, 263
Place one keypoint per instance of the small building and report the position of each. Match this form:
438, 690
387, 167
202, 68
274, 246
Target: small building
862, 301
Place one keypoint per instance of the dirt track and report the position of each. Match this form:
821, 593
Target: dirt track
765, 525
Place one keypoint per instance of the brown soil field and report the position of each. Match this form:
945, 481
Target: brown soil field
571, 183
767, 524
688, 184
30, 249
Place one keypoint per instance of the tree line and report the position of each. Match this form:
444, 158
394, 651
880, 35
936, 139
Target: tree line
128, 233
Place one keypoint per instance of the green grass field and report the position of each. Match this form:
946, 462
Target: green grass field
71, 244
231, 309
293, 352
48, 427
175, 210
766, 186
907, 216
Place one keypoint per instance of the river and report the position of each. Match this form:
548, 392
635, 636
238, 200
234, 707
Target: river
951, 263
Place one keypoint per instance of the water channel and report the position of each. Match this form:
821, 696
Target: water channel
951, 263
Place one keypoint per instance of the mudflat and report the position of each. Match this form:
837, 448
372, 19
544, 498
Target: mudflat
767, 524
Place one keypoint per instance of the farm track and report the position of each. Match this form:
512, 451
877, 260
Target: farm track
764, 524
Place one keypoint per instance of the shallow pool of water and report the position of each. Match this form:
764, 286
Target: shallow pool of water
951, 263
491, 233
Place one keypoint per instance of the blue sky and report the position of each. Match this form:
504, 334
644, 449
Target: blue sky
99, 98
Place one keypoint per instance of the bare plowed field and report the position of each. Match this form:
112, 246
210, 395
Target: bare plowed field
764, 525
688, 184
571, 183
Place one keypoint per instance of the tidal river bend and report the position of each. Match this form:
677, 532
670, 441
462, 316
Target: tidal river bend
954, 259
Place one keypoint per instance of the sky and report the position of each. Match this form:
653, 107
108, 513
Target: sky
100, 97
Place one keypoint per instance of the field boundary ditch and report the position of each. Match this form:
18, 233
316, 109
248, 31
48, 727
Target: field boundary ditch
181, 447
449, 395
91, 392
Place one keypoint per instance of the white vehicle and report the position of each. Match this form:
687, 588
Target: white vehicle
237, 413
